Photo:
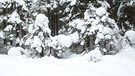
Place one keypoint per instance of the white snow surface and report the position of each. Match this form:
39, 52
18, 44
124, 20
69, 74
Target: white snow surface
122, 64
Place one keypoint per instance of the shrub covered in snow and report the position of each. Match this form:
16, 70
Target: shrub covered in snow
97, 23
62, 43
38, 37
130, 36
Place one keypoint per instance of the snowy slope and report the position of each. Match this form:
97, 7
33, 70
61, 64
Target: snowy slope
122, 64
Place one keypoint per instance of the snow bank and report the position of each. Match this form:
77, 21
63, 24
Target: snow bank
15, 51
121, 64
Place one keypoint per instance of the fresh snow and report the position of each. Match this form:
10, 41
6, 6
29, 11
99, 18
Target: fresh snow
14, 18
72, 2
94, 55
74, 37
101, 11
60, 41
36, 42
1, 34
15, 51
122, 64
130, 35
8, 28
41, 21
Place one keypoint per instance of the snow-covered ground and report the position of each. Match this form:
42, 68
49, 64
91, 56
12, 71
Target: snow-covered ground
122, 64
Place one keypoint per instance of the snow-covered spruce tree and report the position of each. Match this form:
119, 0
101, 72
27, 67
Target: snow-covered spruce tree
14, 30
12, 20
38, 37
105, 29
97, 23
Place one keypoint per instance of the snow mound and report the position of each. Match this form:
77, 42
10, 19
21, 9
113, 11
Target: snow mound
15, 51
130, 36
95, 55
100, 11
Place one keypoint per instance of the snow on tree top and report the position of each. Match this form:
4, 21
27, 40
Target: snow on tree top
14, 18
20, 2
41, 21
100, 11
8, 28
1, 1
72, 2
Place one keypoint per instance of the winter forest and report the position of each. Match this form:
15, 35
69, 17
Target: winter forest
72, 30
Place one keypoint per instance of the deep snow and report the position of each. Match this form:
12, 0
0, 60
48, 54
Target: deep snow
122, 64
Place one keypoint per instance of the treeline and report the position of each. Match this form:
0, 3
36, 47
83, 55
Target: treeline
40, 26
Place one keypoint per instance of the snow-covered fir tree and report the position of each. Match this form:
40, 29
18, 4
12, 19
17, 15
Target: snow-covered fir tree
96, 22
38, 37
12, 20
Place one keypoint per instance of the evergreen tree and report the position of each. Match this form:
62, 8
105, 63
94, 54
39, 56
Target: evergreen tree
12, 20
38, 37
97, 23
